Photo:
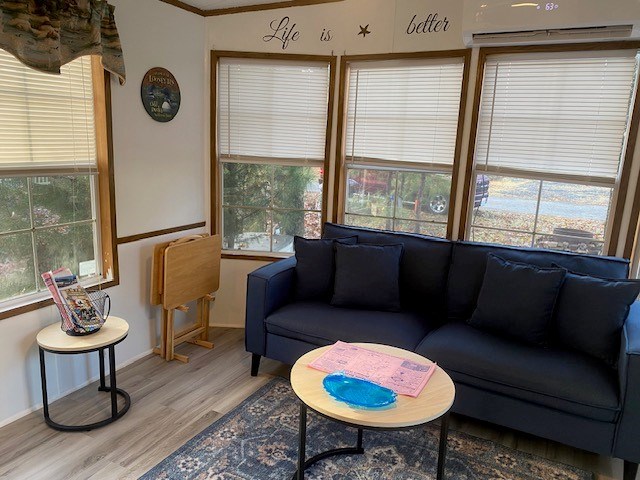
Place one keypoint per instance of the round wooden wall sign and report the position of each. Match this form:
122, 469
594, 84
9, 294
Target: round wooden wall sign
160, 94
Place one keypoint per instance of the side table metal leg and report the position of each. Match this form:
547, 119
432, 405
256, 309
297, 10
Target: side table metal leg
43, 380
442, 449
112, 382
302, 443
103, 386
359, 446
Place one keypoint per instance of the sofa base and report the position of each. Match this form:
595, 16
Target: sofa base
630, 470
580, 432
255, 364
288, 350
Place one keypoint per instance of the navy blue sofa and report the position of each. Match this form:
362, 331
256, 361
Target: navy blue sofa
554, 393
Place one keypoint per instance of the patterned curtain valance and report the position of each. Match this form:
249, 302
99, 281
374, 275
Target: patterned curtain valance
45, 34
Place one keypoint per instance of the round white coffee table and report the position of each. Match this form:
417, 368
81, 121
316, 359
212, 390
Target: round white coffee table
434, 402
52, 339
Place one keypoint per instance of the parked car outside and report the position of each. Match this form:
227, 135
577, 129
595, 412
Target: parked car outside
435, 196
439, 201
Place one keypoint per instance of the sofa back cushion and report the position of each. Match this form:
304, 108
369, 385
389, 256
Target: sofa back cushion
469, 261
367, 276
424, 266
517, 300
315, 266
591, 312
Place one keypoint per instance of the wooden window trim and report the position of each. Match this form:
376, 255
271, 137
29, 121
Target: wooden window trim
623, 184
246, 8
339, 185
106, 188
215, 174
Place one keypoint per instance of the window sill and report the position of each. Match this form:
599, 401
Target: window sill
256, 256
37, 302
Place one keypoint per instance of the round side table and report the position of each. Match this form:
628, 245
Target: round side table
53, 340
434, 402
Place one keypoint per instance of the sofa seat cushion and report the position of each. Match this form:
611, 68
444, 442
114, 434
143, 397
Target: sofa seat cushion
565, 380
322, 324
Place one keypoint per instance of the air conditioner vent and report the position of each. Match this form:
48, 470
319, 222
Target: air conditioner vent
554, 35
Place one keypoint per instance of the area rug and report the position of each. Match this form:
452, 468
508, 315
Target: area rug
258, 441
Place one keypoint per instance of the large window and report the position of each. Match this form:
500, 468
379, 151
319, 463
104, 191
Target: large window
49, 188
551, 139
401, 140
272, 118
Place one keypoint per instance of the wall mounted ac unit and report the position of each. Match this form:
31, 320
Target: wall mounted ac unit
500, 22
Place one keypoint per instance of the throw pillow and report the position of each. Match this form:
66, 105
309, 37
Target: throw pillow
591, 312
517, 300
367, 276
315, 265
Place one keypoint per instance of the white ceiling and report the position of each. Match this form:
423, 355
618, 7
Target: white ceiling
217, 4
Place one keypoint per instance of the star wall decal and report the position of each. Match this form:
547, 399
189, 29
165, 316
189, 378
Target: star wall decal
364, 31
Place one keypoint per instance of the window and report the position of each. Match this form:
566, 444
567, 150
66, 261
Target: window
401, 142
550, 142
50, 213
271, 143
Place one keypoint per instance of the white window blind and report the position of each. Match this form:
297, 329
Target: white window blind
556, 114
404, 111
46, 120
272, 109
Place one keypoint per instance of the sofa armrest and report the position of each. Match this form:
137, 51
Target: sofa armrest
627, 444
268, 288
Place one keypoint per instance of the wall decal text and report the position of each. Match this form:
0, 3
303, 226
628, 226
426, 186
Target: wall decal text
281, 31
326, 35
431, 24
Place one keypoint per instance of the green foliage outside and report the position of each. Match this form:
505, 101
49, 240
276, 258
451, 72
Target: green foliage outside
265, 201
55, 202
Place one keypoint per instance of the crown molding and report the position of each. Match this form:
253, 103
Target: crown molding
246, 8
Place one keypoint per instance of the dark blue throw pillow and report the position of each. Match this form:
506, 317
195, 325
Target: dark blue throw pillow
314, 267
517, 300
367, 276
591, 312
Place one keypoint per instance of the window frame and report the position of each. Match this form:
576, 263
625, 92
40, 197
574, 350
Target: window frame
620, 189
216, 165
340, 174
105, 192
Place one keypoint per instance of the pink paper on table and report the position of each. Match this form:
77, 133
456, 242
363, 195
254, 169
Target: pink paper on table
405, 377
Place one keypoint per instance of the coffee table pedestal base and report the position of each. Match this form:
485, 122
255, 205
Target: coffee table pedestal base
303, 464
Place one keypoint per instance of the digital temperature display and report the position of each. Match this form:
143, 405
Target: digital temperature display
548, 7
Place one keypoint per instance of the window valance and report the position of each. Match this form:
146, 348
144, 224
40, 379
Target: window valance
50, 33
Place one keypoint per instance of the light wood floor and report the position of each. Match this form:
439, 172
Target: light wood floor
173, 402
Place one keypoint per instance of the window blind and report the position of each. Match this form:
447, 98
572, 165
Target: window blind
46, 120
404, 111
272, 109
564, 114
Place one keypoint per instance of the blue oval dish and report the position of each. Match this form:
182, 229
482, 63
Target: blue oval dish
356, 392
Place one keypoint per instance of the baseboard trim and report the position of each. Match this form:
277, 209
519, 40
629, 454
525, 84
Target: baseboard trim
52, 399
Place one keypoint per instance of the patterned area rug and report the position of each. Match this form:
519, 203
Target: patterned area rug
258, 441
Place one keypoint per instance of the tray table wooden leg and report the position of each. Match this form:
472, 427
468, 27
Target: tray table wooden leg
169, 354
161, 350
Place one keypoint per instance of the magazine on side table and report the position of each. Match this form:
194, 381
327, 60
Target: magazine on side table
79, 313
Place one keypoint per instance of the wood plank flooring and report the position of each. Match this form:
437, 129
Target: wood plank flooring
172, 402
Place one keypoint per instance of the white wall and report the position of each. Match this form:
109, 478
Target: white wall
159, 170
159, 166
